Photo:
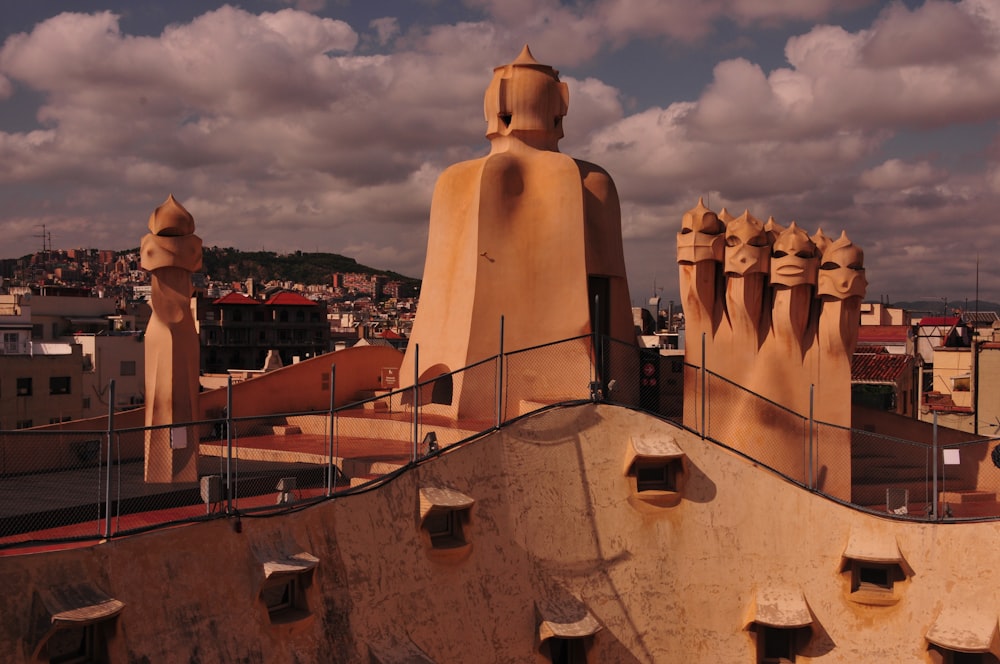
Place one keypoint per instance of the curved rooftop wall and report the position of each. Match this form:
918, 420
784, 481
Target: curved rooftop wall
553, 529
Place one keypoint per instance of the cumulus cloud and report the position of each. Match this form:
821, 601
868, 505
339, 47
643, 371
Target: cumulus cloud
838, 79
898, 174
936, 33
797, 142
285, 130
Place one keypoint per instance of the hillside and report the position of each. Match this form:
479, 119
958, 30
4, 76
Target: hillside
228, 264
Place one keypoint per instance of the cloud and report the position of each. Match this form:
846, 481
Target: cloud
897, 174
838, 79
307, 5
579, 31
936, 33
291, 131
593, 104
385, 28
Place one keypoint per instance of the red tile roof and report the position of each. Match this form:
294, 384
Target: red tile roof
236, 298
935, 401
287, 298
879, 368
884, 334
939, 321
391, 334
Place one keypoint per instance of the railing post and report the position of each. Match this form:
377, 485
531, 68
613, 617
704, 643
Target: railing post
812, 389
704, 378
111, 435
229, 444
598, 366
333, 386
416, 398
934, 469
500, 378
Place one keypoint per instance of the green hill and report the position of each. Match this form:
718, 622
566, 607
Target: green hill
228, 264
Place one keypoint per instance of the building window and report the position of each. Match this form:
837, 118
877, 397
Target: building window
776, 645
782, 624
127, 368
59, 385
24, 387
567, 651
962, 635
566, 631
86, 402
284, 593
279, 595
871, 576
874, 568
71, 625
10, 342
71, 645
656, 476
940, 655
445, 528
656, 465
36, 331
444, 514
23, 424
874, 583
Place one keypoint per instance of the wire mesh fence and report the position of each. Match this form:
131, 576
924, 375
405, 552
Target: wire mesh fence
52, 480
540, 376
69, 486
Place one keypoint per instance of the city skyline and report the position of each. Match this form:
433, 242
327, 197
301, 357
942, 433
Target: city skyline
322, 126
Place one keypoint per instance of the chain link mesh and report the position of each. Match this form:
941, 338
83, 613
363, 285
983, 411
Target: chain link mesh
62, 486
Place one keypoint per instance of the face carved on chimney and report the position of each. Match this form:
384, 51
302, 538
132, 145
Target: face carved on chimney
701, 238
747, 249
842, 272
794, 259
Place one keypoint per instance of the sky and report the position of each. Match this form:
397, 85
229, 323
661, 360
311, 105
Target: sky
322, 125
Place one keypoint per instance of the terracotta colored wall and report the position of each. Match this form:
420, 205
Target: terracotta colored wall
555, 518
976, 471
298, 387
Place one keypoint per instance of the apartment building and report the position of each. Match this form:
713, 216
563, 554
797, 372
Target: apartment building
237, 331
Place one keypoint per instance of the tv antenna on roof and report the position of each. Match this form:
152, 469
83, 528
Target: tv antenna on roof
45, 236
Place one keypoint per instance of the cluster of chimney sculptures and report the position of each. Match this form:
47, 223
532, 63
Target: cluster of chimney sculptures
533, 237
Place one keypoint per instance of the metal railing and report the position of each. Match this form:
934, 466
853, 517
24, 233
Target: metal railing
60, 486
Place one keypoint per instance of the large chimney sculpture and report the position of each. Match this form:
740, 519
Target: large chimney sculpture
171, 252
528, 234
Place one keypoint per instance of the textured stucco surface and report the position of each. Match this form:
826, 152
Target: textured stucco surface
555, 523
